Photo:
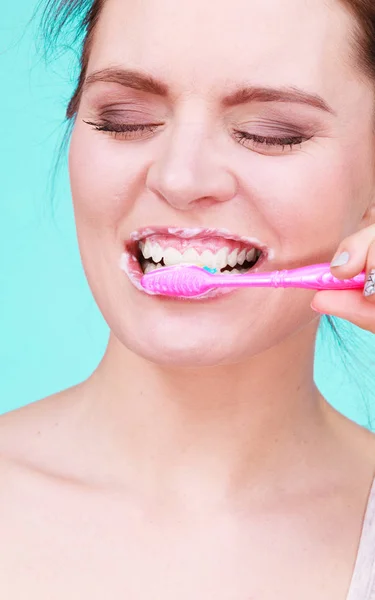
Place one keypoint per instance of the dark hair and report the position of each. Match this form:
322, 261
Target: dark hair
76, 20
364, 34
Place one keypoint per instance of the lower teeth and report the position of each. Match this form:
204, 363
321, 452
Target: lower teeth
148, 266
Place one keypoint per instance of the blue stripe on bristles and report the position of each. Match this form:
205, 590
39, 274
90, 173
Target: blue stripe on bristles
212, 271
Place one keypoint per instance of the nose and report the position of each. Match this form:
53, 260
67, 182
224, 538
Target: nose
188, 172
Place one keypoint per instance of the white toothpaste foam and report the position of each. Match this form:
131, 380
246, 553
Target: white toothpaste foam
124, 265
189, 233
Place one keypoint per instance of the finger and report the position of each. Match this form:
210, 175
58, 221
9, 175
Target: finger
369, 290
351, 256
350, 305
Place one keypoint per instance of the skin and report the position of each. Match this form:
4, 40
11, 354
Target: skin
201, 461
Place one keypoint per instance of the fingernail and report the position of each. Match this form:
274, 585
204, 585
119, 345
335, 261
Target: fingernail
369, 289
340, 260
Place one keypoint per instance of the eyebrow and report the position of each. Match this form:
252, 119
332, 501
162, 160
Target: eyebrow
128, 78
284, 94
144, 82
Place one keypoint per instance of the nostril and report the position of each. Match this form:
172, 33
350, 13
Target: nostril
192, 182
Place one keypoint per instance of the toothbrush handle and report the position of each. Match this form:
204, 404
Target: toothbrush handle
315, 277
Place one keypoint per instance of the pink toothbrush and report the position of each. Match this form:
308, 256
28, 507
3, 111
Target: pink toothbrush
188, 281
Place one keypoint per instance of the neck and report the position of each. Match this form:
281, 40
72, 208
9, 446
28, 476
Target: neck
226, 423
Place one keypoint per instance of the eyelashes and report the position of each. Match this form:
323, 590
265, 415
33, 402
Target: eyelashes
260, 140
267, 144
123, 130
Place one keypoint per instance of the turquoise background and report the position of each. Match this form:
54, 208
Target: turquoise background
51, 333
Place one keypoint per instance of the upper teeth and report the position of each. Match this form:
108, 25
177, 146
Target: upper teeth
213, 260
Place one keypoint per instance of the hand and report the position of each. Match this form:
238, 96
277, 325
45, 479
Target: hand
355, 254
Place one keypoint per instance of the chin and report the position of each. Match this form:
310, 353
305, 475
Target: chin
200, 334
190, 342
188, 353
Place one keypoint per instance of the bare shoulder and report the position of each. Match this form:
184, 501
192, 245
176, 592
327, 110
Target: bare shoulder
33, 436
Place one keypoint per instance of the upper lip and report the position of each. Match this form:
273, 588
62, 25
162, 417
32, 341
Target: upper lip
196, 233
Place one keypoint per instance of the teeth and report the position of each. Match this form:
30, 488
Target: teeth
172, 257
232, 258
147, 249
251, 255
157, 253
219, 260
241, 257
149, 267
208, 259
191, 256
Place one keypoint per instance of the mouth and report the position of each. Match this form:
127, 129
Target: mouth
216, 249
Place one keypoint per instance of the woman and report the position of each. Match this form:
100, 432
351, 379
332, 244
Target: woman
199, 461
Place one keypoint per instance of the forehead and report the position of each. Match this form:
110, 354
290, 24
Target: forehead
200, 44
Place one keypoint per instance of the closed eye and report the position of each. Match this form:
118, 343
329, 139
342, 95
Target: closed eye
132, 131
254, 141
126, 131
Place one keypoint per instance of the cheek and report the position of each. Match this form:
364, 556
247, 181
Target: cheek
105, 177
311, 202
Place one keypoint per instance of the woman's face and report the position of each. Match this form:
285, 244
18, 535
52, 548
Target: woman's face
287, 162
